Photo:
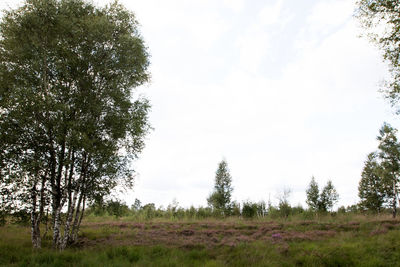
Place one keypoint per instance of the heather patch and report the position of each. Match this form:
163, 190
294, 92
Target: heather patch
216, 243
213, 234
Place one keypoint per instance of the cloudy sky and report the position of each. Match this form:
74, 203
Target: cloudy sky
281, 89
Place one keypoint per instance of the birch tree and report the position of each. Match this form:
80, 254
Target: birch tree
220, 198
70, 122
372, 188
328, 197
389, 156
324, 200
312, 193
381, 20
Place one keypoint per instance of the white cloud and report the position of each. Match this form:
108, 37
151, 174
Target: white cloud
326, 18
254, 46
235, 5
260, 41
330, 13
271, 14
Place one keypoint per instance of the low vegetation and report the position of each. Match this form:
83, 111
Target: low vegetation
323, 240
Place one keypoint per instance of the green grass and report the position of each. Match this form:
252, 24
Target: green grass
374, 241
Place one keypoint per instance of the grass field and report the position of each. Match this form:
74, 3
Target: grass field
325, 241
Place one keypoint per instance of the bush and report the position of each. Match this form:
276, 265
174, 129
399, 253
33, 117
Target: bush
285, 209
297, 210
3, 216
149, 211
21, 217
249, 209
235, 209
204, 212
341, 210
117, 208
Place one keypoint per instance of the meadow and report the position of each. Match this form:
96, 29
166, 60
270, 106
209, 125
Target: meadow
325, 240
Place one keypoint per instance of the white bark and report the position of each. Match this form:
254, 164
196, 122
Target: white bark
56, 228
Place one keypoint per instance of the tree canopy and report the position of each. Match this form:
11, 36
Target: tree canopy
381, 19
312, 193
371, 189
381, 174
220, 198
70, 124
321, 201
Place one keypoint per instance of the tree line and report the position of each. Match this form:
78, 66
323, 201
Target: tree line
220, 199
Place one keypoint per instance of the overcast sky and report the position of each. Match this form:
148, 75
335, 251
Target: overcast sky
281, 89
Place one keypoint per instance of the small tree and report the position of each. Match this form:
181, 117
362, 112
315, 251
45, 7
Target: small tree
220, 198
262, 209
371, 188
137, 205
323, 201
389, 155
117, 208
236, 210
284, 205
329, 197
313, 195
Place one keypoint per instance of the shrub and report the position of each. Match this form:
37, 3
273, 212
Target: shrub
249, 209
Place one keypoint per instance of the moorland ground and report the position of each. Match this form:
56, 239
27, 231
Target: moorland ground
342, 240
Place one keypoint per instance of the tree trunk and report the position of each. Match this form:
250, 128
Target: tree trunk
53, 183
79, 213
58, 199
41, 211
72, 207
76, 220
70, 176
34, 233
394, 200
56, 228
77, 224
70, 213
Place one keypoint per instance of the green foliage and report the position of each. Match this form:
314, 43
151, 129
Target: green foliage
297, 210
389, 155
249, 209
3, 218
236, 210
203, 212
174, 212
381, 19
324, 200
220, 198
117, 208
21, 217
328, 197
137, 205
312, 193
389, 150
284, 205
371, 189
379, 184
341, 210
70, 123
352, 209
